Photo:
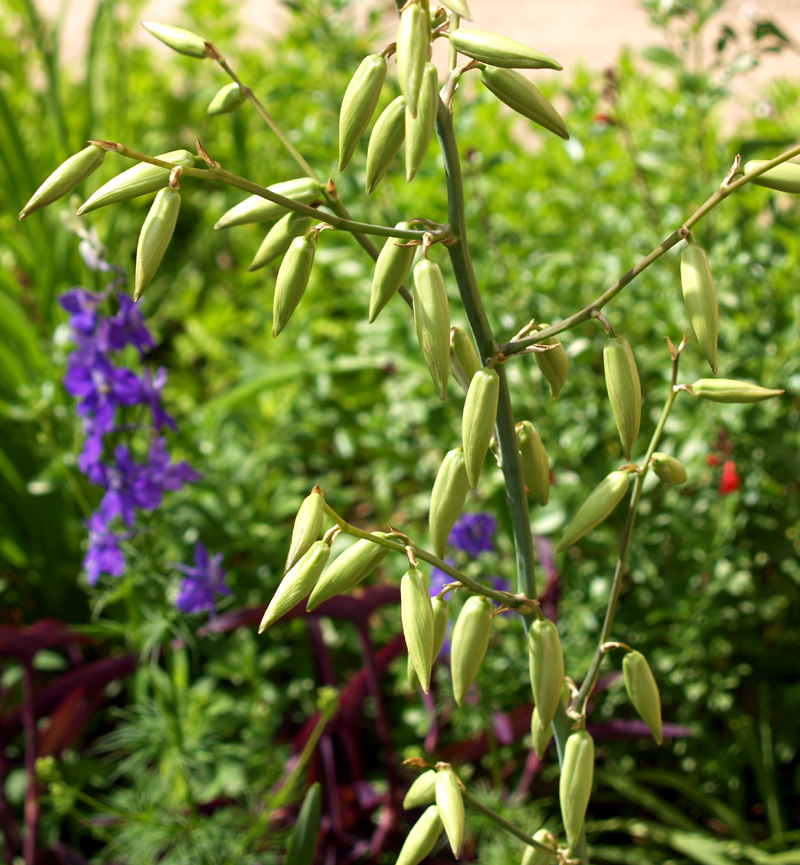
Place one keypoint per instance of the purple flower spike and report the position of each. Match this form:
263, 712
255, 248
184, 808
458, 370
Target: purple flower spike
127, 327
83, 305
473, 533
152, 386
104, 555
202, 582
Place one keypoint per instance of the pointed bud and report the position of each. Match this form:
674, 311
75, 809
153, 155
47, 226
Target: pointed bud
182, 41
783, 178
730, 390
422, 791
391, 269
419, 129
297, 583
416, 615
136, 181
307, 526
524, 97
700, 295
546, 667
553, 363
386, 139
535, 464
447, 499
293, 276
65, 178
470, 641
413, 51
359, 104
624, 390
421, 839
668, 469
598, 506
258, 209
226, 100
500, 50
463, 356
478, 420
355, 564
279, 238
157, 230
541, 733
459, 7
537, 856
432, 321
643, 692
441, 613
450, 805
575, 784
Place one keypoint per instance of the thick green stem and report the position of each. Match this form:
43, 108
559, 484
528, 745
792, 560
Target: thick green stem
505, 824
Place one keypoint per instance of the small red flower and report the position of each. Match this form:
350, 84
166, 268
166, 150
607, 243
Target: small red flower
730, 480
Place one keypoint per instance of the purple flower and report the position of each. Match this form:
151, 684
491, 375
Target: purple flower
92, 378
104, 555
83, 306
152, 385
89, 460
168, 475
127, 327
202, 582
473, 533
129, 485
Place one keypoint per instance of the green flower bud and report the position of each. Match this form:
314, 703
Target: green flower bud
730, 390
535, 464
597, 507
700, 295
450, 805
293, 276
416, 614
279, 238
784, 177
478, 420
524, 97
226, 100
421, 839
668, 469
575, 784
391, 269
136, 181
422, 791
307, 526
355, 564
643, 691
500, 50
459, 7
553, 364
387, 136
541, 733
470, 641
432, 321
441, 613
447, 499
297, 583
535, 856
546, 667
258, 209
359, 104
624, 390
154, 238
65, 178
463, 356
413, 51
182, 41
419, 129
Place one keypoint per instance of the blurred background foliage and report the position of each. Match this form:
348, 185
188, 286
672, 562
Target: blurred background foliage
714, 583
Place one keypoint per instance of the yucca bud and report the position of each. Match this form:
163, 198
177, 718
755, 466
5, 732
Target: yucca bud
422, 791
422, 838
784, 177
391, 269
307, 526
535, 856
463, 356
178, 39
478, 420
354, 565
459, 7
359, 104
293, 276
553, 364
419, 129
546, 667
432, 321
597, 507
441, 613
700, 295
416, 614
541, 733
500, 50
387, 136
470, 641
535, 464
65, 178
279, 238
624, 390
730, 390
524, 97
136, 181
447, 499
258, 209
226, 100
643, 691
450, 805
413, 51
669, 469
575, 784
297, 583
154, 238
